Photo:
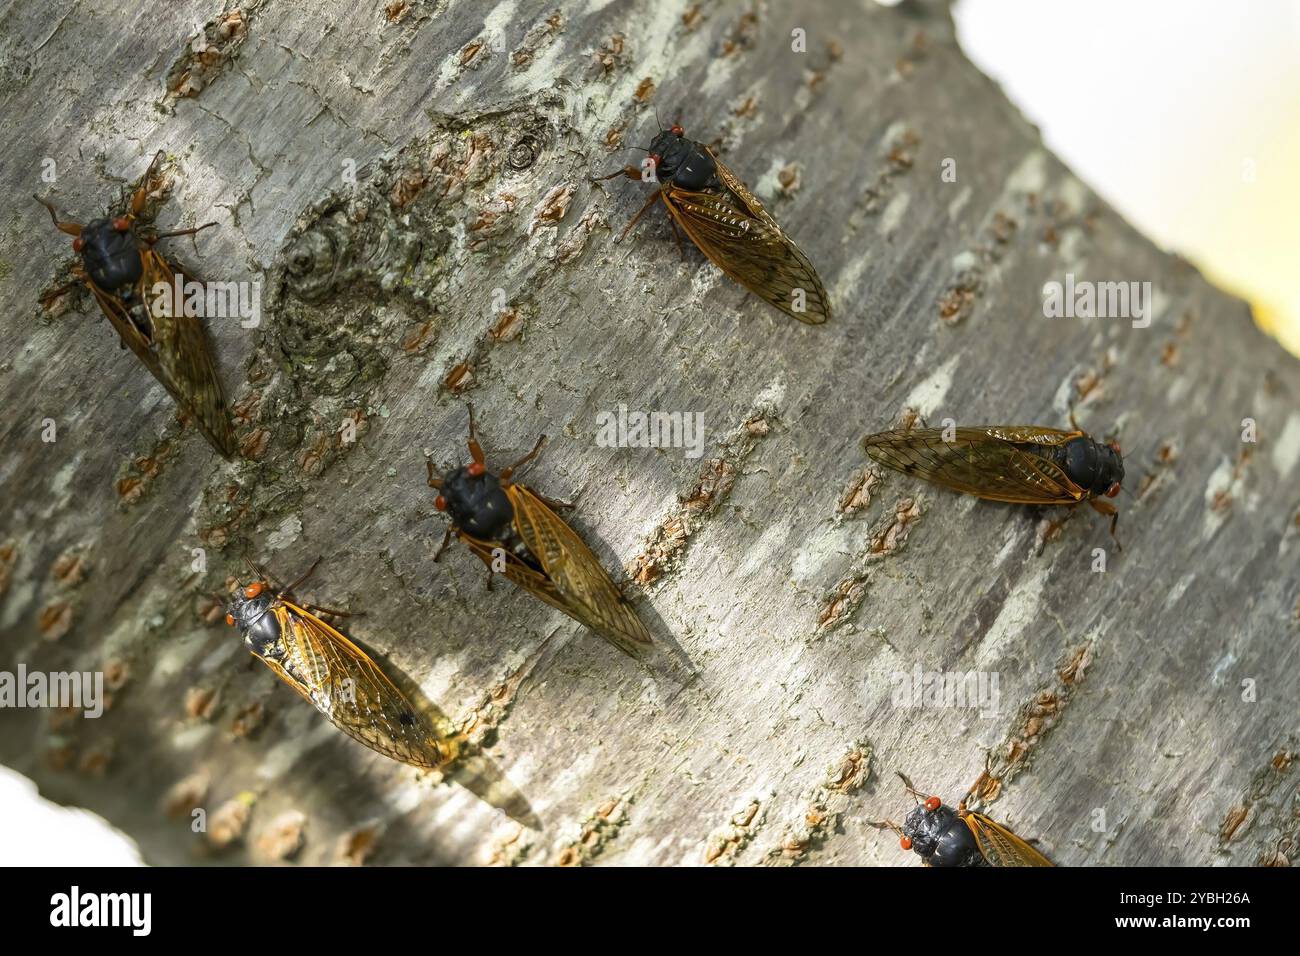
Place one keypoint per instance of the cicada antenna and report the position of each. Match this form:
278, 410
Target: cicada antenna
885, 825
1136, 455
916, 794
261, 574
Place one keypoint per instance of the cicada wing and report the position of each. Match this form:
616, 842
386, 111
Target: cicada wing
131, 335
582, 586
345, 685
994, 462
520, 572
1001, 847
738, 235
183, 358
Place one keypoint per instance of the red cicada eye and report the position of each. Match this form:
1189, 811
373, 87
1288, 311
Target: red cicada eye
654, 159
932, 804
905, 843
230, 619
476, 469
78, 244
1113, 490
440, 503
1115, 448
677, 130
253, 590
121, 224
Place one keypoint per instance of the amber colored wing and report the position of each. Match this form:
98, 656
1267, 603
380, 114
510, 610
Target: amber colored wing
1000, 846
994, 462
525, 575
176, 354
184, 360
573, 579
738, 235
344, 684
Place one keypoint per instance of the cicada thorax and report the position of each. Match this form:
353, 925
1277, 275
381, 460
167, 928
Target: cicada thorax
477, 502
252, 610
938, 834
112, 259
479, 507
683, 162
1095, 467
110, 254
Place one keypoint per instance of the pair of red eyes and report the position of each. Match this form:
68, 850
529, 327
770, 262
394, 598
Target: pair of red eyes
655, 158
251, 591
475, 469
120, 223
931, 804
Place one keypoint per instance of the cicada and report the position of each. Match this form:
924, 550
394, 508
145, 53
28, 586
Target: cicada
122, 268
1022, 464
516, 532
942, 836
729, 225
338, 678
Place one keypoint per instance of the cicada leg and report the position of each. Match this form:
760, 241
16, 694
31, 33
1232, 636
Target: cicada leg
446, 540
329, 610
71, 228
507, 472
177, 232
630, 171
1106, 508
641, 212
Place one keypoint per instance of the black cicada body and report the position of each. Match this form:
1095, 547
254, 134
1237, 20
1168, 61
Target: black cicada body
729, 225
516, 532
942, 836
338, 678
1021, 464
121, 267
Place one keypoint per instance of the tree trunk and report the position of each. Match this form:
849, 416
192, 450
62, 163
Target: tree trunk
1144, 714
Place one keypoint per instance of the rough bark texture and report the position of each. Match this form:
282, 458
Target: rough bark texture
794, 581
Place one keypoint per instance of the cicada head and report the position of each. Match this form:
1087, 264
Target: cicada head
250, 612
925, 826
110, 252
477, 503
683, 161
1095, 467
1113, 467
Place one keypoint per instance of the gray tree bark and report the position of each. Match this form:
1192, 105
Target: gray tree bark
1146, 714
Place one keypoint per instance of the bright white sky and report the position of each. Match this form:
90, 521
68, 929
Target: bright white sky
1183, 114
